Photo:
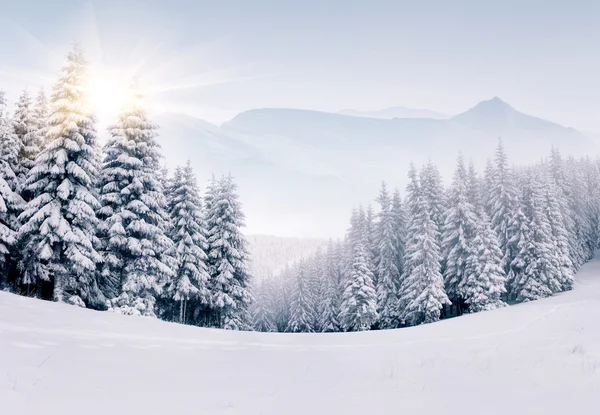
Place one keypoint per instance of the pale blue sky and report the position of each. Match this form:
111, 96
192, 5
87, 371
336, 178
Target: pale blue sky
216, 58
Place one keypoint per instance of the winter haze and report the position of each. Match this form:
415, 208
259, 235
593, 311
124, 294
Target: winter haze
310, 106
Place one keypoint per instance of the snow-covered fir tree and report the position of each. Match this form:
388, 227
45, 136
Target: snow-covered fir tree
59, 222
9, 142
11, 204
388, 282
283, 289
333, 288
399, 230
474, 187
560, 235
25, 126
315, 269
484, 283
517, 245
301, 311
568, 206
370, 235
542, 276
263, 314
457, 233
422, 294
40, 113
137, 264
502, 202
228, 257
434, 194
358, 309
187, 232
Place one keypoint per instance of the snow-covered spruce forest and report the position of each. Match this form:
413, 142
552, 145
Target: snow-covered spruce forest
105, 228
513, 234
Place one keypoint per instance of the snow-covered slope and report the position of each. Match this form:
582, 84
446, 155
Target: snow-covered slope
536, 358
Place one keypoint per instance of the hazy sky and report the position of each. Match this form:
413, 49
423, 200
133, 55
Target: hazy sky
216, 58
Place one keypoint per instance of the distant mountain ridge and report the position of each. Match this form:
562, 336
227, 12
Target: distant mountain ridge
300, 172
396, 112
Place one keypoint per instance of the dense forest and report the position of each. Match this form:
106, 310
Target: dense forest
512, 234
106, 227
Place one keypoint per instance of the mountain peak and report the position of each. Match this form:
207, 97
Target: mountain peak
493, 104
493, 111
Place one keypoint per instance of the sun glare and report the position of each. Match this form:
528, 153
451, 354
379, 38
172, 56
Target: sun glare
109, 93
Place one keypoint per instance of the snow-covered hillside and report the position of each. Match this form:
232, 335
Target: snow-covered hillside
534, 358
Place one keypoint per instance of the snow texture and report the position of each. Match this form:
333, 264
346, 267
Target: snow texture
541, 357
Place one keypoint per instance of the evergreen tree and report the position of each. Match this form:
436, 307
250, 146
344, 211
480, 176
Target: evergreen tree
399, 230
283, 287
9, 143
517, 245
316, 287
541, 277
40, 113
25, 127
228, 257
413, 202
358, 309
484, 283
137, 265
422, 294
567, 201
458, 233
474, 187
502, 199
11, 204
389, 276
333, 288
432, 190
422, 291
560, 235
301, 316
370, 235
189, 242
166, 181
486, 185
263, 314
58, 221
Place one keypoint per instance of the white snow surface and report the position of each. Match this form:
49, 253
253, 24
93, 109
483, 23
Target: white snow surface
535, 358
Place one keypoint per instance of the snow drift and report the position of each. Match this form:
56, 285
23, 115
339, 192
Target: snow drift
535, 358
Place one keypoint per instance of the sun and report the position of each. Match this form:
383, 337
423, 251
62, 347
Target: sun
110, 92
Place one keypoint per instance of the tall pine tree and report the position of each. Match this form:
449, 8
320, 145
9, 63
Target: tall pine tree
458, 233
26, 130
189, 242
358, 310
388, 282
137, 265
59, 221
228, 257
422, 294
484, 281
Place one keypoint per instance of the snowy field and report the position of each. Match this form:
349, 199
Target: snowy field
536, 358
